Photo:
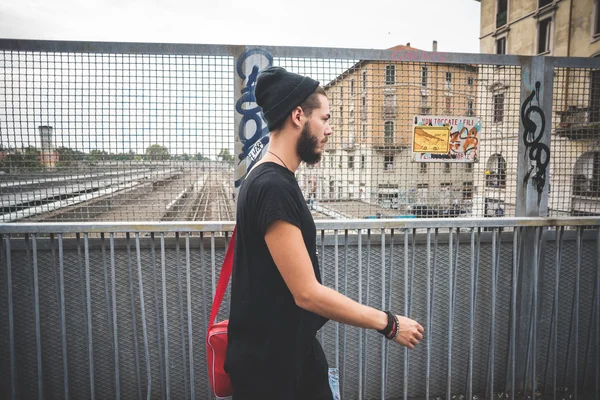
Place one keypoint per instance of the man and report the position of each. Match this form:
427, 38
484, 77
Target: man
277, 300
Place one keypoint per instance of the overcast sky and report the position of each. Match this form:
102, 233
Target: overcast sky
375, 24
134, 122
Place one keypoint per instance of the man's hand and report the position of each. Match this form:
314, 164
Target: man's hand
410, 332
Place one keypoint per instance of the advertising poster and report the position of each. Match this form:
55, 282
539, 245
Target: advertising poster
445, 138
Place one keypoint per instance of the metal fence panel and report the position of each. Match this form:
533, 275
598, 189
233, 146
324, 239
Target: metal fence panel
149, 293
132, 132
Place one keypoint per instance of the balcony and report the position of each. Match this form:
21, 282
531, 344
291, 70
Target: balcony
579, 123
390, 112
390, 144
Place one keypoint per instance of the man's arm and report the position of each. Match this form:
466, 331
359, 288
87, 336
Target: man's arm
286, 246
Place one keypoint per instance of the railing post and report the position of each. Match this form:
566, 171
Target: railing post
535, 116
250, 127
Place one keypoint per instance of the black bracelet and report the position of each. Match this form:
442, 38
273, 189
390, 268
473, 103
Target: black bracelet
397, 331
390, 324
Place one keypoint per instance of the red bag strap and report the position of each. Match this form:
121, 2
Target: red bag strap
223, 280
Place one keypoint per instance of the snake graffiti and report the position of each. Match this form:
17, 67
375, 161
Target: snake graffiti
533, 133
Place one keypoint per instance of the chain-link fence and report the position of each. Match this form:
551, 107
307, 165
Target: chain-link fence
112, 132
575, 165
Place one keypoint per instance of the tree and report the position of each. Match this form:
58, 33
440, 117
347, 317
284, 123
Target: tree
200, 157
225, 156
97, 155
68, 156
125, 156
156, 152
182, 157
27, 160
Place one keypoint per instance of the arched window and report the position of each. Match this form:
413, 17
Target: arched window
495, 173
586, 176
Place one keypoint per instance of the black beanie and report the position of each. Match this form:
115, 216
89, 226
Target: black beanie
278, 92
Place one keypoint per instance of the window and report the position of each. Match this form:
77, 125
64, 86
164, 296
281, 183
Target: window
501, 46
352, 86
390, 106
447, 168
448, 104
363, 108
448, 80
501, 13
544, 29
364, 81
350, 162
424, 74
469, 167
389, 132
495, 174
470, 81
499, 107
362, 162
596, 22
470, 111
422, 193
467, 193
364, 131
543, 3
425, 105
594, 109
423, 168
586, 178
390, 74
388, 162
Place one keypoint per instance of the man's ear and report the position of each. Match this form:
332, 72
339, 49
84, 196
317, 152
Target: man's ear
297, 116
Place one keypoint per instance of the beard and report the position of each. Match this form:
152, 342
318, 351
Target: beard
307, 146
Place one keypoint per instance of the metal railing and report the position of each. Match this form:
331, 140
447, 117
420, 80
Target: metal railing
510, 307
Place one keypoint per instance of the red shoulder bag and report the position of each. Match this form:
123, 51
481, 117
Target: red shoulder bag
216, 335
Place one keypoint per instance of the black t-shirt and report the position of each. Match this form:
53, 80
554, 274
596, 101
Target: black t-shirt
269, 335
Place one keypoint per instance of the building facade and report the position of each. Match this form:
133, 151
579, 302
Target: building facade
561, 28
369, 158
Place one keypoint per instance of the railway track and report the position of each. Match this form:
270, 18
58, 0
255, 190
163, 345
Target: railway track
214, 203
208, 200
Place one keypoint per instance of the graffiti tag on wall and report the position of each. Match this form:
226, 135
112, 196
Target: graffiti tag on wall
252, 134
538, 153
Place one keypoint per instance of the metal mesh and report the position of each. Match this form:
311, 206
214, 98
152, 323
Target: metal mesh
116, 136
376, 163
575, 162
402, 266
567, 334
130, 137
